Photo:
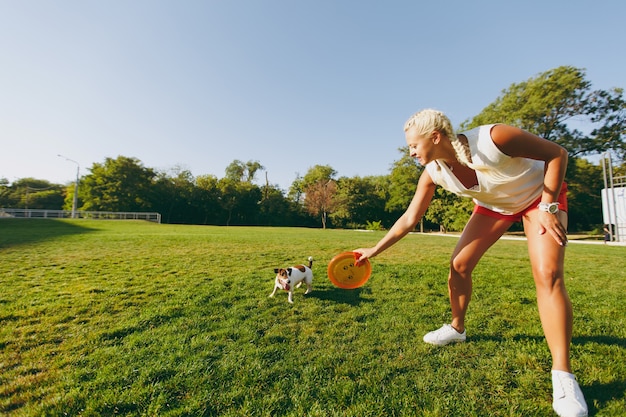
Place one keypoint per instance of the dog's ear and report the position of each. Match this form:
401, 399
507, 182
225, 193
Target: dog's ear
289, 271
276, 270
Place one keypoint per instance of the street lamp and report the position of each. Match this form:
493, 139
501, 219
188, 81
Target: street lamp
75, 201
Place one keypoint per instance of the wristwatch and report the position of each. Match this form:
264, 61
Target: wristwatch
551, 208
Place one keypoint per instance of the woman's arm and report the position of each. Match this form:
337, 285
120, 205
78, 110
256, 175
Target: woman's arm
516, 142
408, 221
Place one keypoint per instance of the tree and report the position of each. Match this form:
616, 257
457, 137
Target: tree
206, 196
319, 188
359, 201
404, 176
449, 211
121, 184
32, 193
559, 105
5, 193
319, 199
585, 181
240, 201
172, 196
554, 104
296, 190
276, 210
238, 171
318, 173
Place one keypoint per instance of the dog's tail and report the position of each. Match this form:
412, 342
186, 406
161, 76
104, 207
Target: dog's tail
310, 261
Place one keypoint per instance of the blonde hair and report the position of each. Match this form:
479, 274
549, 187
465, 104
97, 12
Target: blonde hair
428, 120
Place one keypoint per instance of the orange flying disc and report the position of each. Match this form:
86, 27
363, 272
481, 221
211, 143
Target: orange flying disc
345, 273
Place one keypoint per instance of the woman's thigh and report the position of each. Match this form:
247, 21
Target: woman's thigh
546, 255
480, 233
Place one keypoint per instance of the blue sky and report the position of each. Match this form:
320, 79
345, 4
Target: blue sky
291, 84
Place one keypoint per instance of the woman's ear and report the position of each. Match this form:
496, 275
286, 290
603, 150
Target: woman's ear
435, 137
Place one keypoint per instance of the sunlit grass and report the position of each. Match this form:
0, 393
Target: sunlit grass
133, 318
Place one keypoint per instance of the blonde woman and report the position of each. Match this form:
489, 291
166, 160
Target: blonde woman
512, 175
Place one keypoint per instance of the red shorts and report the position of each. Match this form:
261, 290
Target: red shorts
517, 217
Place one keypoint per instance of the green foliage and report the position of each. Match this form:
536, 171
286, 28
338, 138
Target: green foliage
138, 319
239, 171
374, 226
584, 184
239, 200
319, 199
121, 184
276, 210
403, 178
547, 104
31, 193
318, 173
558, 105
449, 210
358, 200
554, 105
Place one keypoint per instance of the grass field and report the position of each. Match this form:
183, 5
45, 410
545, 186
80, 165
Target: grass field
104, 318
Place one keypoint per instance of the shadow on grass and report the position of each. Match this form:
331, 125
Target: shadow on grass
15, 232
601, 394
596, 393
338, 295
576, 340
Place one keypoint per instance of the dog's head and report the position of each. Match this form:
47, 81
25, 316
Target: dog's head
282, 278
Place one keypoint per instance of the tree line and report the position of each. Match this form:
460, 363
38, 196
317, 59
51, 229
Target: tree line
545, 105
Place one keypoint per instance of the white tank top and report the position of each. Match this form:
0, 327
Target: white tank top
511, 197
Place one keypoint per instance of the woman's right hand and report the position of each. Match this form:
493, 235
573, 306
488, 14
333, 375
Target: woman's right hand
363, 254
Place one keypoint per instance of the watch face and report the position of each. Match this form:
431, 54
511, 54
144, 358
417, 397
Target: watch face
553, 208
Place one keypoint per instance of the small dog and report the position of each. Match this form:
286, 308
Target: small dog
287, 278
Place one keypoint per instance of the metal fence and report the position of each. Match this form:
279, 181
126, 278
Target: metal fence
65, 214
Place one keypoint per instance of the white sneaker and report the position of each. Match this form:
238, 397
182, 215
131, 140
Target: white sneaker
446, 334
568, 399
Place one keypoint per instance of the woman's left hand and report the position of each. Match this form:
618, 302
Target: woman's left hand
552, 224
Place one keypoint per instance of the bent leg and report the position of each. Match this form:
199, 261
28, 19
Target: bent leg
480, 233
555, 309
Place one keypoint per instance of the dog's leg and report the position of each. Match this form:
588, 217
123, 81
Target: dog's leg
309, 288
290, 298
274, 292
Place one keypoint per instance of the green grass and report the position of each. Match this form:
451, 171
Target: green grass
139, 319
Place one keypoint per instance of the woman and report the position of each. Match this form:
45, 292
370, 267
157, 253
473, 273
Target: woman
512, 175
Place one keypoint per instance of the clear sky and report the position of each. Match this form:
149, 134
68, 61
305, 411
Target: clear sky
288, 83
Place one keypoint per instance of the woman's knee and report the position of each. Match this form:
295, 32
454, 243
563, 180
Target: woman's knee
548, 277
461, 266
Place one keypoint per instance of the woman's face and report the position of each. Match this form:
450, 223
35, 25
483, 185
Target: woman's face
421, 147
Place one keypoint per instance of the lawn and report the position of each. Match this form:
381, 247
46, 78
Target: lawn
129, 318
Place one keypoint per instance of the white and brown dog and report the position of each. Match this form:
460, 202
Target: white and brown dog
288, 278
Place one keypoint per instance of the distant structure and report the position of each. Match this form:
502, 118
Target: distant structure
614, 201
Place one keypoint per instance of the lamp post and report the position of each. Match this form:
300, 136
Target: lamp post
75, 200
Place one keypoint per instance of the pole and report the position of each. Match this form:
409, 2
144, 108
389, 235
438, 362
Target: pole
75, 199
617, 235
608, 204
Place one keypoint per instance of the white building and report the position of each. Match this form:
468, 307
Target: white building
614, 211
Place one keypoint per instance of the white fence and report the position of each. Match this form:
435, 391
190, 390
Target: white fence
65, 214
